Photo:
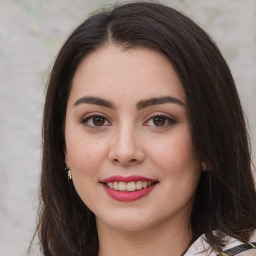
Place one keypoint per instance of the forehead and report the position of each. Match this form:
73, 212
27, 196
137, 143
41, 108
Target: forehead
137, 73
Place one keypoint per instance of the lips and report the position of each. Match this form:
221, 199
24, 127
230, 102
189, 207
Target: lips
128, 188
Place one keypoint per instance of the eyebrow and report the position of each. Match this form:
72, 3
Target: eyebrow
95, 101
156, 101
140, 105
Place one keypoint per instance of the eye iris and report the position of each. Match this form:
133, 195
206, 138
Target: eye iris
98, 120
159, 121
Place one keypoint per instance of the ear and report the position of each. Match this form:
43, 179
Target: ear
204, 166
66, 159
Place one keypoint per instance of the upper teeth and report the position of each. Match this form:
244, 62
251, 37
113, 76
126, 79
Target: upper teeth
128, 186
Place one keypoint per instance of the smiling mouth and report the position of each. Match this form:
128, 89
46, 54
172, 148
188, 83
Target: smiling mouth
129, 186
127, 189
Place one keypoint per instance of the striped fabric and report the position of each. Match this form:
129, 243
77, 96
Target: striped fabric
248, 249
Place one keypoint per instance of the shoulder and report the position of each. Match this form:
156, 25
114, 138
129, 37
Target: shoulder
234, 247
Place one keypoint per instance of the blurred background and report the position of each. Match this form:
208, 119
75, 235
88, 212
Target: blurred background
31, 33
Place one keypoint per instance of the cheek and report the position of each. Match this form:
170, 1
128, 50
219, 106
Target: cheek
86, 158
85, 155
179, 167
175, 154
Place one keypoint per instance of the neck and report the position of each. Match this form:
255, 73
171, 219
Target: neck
167, 240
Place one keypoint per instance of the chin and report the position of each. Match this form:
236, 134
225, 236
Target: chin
127, 222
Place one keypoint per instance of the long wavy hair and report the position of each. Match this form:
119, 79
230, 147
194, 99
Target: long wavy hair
225, 198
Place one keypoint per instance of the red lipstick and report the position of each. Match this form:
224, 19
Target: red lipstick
127, 179
127, 196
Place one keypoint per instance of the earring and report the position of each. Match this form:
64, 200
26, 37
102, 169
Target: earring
68, 173
204, 167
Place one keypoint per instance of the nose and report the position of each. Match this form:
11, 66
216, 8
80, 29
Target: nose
126, 149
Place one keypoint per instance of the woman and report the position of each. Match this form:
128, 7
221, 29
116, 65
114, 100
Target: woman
142, 112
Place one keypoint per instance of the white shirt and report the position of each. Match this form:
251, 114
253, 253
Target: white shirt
201, 248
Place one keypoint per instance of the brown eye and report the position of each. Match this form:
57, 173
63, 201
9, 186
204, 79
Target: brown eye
98, 120
95, 121
159, 121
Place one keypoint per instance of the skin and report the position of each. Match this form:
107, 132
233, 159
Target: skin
130, 141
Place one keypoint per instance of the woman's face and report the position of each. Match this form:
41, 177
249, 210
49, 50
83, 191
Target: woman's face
128, 142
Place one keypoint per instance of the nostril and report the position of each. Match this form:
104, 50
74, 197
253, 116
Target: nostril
130, 161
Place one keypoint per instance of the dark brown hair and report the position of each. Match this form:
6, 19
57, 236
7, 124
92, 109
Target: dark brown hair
225, 199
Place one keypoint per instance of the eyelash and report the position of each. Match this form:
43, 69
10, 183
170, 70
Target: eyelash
89, 118
167, 121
